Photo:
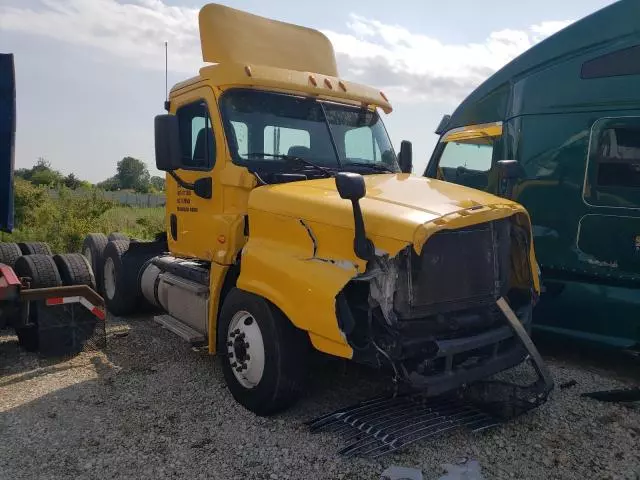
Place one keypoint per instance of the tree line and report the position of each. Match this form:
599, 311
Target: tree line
131, 174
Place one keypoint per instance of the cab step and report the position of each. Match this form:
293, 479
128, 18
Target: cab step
180, 328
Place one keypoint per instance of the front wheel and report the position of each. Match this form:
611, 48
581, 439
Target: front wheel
264, 357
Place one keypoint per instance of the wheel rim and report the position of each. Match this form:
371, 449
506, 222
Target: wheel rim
245, 348
88, 256
109, 278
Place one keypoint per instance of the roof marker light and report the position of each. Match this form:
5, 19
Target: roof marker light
247, 70
342, 86
327, 82
383, 96
313, 81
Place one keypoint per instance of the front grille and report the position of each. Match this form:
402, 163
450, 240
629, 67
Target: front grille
457, 269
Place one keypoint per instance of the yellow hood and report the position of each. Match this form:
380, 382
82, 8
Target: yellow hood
399, 206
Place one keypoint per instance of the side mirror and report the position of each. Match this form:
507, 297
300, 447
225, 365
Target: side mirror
405, 158
350, 186
509, 171
167, 142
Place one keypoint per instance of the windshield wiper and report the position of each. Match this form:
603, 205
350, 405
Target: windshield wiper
379, 167
294, 158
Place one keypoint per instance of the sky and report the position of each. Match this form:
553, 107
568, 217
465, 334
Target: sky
90, 73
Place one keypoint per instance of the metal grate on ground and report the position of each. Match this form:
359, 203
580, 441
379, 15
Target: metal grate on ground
381, 425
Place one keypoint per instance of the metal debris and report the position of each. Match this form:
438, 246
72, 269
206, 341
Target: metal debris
381, 425
464, 470
621, 395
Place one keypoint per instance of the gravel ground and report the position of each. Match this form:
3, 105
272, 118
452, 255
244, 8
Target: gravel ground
151, 407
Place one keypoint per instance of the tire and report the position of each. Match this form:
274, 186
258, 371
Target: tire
284, 355
75, 269
117, 236
9, 253
120, 292
42, 271
93, 250
35, 248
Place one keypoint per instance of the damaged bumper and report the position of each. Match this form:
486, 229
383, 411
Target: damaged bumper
469, 359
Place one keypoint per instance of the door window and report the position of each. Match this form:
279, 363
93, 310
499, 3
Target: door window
613, 177
197, 142
471, 156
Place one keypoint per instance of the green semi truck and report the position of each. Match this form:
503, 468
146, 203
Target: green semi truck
558, 131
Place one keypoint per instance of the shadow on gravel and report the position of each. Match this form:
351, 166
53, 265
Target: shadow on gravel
606, 361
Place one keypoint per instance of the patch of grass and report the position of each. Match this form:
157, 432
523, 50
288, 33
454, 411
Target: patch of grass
63, 222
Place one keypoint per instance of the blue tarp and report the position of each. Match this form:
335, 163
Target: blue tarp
7, 139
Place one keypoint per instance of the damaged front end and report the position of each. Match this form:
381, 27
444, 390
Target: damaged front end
443, 318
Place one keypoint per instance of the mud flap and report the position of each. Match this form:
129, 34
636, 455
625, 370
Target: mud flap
69, 327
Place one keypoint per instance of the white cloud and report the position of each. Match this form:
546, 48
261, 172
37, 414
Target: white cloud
134, 30
416, 66
407, 64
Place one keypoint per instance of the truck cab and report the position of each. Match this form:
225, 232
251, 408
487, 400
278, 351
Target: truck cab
292, 225
558, 131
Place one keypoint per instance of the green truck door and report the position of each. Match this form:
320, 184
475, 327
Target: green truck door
609, 233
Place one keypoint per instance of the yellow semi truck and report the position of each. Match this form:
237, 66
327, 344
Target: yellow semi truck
291, 225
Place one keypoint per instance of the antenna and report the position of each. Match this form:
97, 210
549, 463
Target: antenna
166, 76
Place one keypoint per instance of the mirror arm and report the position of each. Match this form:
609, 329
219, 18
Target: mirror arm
362, 246
182, 183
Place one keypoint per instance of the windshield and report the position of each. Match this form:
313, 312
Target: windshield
265, 129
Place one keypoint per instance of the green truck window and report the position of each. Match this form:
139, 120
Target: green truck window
471, 156
613, 168
618, 155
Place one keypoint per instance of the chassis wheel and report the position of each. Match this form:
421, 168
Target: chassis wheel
34, 248
43, 273
264, 357
117, 236
74, 269
119, 290
93, 249
9, 253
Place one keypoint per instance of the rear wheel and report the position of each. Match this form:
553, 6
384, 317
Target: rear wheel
119, 298
93, 249
74, 269
264, 357
34, 248
43, 273
9, 253
117, 236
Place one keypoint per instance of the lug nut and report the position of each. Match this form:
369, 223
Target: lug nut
229, 344
230, 354
247, 357
246, 345
234, 364
236, 331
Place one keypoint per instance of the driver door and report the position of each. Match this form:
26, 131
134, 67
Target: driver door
192, 220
